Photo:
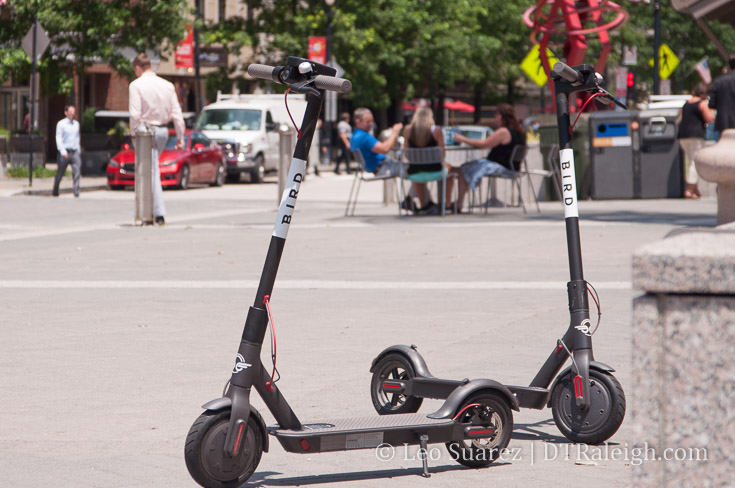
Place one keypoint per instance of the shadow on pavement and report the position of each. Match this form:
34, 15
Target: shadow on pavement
531, 432
534, 432
263, 478
669, 218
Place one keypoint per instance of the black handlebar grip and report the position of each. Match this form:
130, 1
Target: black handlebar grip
567, 72
263, 71
331, 83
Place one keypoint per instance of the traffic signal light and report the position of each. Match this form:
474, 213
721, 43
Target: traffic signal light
630, 84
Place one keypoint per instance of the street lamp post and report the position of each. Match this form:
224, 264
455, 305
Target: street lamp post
197, 75
329, 116
31, 127
656, 45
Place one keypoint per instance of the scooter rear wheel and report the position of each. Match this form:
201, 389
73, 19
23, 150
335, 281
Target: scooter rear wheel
393, 367
484, 409
205, 457
597, 423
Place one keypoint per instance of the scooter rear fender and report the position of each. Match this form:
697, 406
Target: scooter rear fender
411, 354
223, 403
461, 393
593, 365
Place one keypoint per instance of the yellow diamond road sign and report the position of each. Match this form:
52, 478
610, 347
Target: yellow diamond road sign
533, 67
667, 61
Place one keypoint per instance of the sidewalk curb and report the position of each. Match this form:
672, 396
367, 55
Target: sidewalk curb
48, 193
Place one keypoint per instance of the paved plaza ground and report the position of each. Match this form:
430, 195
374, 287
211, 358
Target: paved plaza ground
112, 336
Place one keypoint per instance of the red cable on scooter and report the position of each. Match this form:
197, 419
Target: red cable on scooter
298, 131
266, 302
571, 128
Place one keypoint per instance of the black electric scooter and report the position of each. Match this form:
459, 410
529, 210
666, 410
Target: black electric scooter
225, 443
586, 400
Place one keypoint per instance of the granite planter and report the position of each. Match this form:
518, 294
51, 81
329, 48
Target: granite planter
683, 391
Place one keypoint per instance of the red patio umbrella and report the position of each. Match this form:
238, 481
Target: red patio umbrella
459, 106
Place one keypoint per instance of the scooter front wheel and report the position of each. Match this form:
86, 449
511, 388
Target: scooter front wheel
205, 452
393, 367
488, 410
600, 420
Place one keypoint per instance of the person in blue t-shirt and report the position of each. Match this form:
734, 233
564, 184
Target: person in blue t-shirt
374, 151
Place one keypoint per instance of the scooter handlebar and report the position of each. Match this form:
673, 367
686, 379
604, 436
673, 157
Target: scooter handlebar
331, 83
567, 72
264, 72
321, 82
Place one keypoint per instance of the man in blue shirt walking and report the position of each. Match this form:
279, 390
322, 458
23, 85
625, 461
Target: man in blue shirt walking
374, 151
67, 144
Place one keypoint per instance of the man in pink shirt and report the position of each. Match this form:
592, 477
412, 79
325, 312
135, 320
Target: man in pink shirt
153, 102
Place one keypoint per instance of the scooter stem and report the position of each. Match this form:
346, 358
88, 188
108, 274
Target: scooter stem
296, 174
569, 80
569, 186
248, 369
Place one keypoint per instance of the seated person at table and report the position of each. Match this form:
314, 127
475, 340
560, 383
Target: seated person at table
374, 151
509, 134
422, 132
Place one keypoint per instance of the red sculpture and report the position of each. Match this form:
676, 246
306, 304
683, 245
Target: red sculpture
574, 20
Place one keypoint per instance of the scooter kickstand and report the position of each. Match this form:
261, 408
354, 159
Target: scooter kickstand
423, 443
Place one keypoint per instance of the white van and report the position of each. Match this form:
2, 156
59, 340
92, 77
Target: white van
246, 127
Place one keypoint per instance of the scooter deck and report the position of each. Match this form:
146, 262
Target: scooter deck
365, 433
530, 396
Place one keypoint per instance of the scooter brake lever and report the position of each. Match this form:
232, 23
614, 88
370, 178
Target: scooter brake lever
304, 87
606, 98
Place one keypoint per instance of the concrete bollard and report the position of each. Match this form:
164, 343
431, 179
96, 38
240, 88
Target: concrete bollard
286, 143
716, 163
683, 355
143, 175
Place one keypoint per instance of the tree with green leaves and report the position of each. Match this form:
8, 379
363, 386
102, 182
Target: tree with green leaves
232, 34
682, 34
500, 65
398, 49
83, 32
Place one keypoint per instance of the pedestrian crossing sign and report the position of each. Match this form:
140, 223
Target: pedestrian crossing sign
667, 61
533, 67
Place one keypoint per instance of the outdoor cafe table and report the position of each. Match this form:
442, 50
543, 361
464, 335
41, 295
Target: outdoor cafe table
457, 155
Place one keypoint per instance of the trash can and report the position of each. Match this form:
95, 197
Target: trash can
143, 175
635, 155
659, 174
612, 138
549, 136
581, 146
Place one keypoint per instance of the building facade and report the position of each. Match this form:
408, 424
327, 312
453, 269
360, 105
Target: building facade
103, 88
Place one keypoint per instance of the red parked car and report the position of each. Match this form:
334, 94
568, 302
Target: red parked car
201, 162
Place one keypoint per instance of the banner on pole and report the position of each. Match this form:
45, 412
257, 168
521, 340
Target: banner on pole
318, 49
184, 56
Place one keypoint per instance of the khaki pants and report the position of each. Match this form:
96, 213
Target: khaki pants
690, 146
